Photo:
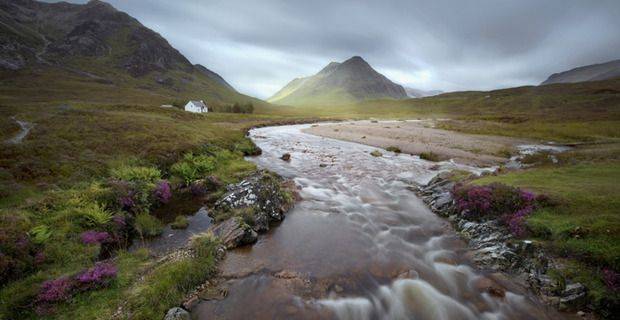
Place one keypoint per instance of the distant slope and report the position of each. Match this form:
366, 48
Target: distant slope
93, 52
417, 93
350, 81
594, 72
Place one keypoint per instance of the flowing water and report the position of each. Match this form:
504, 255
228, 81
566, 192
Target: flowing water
360, 245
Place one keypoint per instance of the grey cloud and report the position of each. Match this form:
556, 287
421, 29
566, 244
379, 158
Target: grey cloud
258, 46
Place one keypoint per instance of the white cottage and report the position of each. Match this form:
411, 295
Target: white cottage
196, 106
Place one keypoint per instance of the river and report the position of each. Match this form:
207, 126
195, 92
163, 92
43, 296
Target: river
360, 245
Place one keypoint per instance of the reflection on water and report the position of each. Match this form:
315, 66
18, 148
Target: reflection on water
358, 246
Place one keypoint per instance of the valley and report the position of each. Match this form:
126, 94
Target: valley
343, 195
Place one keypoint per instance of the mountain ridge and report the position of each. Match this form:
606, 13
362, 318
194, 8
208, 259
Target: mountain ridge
96, 45
593, 72
352, 80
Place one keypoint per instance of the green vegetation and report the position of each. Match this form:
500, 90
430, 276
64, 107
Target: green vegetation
393, 149
429, 156
169, 283
148, 226
376, 153
180, 222
583, 225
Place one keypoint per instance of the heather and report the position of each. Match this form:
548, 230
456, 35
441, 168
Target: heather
511, 205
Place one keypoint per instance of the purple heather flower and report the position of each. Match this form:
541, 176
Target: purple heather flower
119, 220
92, 237
162, 191
39, 257
98, 275
611, 279
55, 290
127, 201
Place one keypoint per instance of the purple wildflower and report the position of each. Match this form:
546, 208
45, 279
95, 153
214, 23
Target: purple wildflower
39, 258
516, 221
611, 279
162, 191
127, 201
56, 290
97, 276
92, 237
119, 221
527, 197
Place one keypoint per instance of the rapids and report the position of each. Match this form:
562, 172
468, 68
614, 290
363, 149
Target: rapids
360, 245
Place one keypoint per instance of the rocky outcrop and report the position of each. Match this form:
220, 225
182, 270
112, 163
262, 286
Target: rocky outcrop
263, 197
234, 232
495, 249
177, 314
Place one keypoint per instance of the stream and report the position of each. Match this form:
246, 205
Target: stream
360, 245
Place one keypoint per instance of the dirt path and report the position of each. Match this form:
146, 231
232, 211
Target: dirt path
416, 137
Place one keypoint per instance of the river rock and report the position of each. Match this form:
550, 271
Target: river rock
267, 195
177, 314
234, 232
286, 157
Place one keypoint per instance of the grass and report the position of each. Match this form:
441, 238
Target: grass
583, 226
588, 199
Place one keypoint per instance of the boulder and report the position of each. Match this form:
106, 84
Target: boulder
234, 233
177, 314
286, 157
263, 195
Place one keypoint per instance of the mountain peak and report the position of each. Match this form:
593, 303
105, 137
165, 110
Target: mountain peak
350, 81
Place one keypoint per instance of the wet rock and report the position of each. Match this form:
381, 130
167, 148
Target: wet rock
573, 302
234, 232
286, 157
573, 288
177, 314
264, 197
323, 165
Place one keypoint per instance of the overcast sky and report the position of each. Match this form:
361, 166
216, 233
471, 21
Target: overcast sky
260, 45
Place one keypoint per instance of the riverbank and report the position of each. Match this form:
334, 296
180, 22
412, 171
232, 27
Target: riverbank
420, 137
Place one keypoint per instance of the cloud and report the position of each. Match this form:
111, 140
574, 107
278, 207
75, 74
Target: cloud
259, 46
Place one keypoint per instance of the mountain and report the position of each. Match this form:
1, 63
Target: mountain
93, 51
417, 93
350, 81
594, 72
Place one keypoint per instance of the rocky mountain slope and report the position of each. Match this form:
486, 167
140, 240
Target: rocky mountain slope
418, 93
350, 81
594, 72
95, 48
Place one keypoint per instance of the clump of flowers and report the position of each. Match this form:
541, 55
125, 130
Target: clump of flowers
95, 237
63, 288
56, 290
511, 204
19, 254
98, 276
162, 191
611, 279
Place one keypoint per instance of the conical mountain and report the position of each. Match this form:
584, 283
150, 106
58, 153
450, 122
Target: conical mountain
351, 81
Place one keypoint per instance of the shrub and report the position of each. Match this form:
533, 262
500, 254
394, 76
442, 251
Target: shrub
94, 237
512, 205
162, 191
56, 290
136, 174
98, 276
94, 215
180, 222
193, 167
393, 149
429, 156
148, 226
19, 255
40, 234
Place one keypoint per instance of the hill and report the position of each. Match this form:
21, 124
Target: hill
594, 72
418, 93
353, 80
95, 53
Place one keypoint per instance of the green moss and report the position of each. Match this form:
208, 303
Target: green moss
376, 153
